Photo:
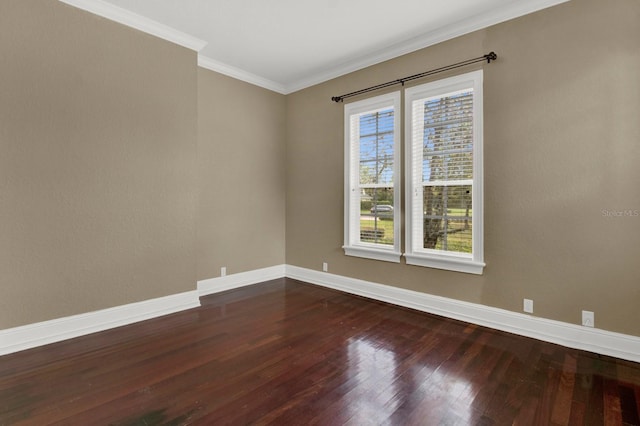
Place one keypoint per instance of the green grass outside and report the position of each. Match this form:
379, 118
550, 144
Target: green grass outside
457, 242
450, 212
385, 224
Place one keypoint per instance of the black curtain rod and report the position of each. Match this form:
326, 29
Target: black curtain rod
488, 57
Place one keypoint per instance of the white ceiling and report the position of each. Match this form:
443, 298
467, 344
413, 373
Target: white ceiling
286, 45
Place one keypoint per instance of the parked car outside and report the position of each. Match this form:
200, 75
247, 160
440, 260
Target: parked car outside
382, 210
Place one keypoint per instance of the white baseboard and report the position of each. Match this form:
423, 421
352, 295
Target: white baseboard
241, 279
42, 333
571, 335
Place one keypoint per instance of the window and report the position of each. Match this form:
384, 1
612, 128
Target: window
444, 174
372, 170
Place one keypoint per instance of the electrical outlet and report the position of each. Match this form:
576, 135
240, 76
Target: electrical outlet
223, 271
325, 267
527, 306
588, 319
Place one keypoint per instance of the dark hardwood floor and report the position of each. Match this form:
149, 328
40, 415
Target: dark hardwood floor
289, 353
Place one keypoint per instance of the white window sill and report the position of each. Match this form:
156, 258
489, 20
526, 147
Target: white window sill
373, 253
449, 263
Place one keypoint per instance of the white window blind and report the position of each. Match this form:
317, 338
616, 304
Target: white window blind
444, 174
372, 196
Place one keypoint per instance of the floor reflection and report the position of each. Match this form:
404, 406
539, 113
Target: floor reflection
386, 389
373, 367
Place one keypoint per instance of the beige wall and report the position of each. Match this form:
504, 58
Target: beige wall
98, 144
561, 144
241, 166
127, 173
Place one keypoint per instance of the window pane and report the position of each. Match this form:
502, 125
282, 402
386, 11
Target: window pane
448, 138
376, 147
376, 216
447, 214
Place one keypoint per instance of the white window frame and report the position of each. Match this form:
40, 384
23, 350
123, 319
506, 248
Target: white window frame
415, 254
352, 244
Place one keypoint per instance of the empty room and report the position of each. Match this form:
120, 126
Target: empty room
319, 212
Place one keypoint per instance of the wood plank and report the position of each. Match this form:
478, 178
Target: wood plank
562, 404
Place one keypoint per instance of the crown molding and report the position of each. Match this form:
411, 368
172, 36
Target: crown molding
447, 32
239, 74
138, 22
514, 10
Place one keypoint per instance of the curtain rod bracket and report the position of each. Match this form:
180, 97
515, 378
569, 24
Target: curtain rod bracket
491, 57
